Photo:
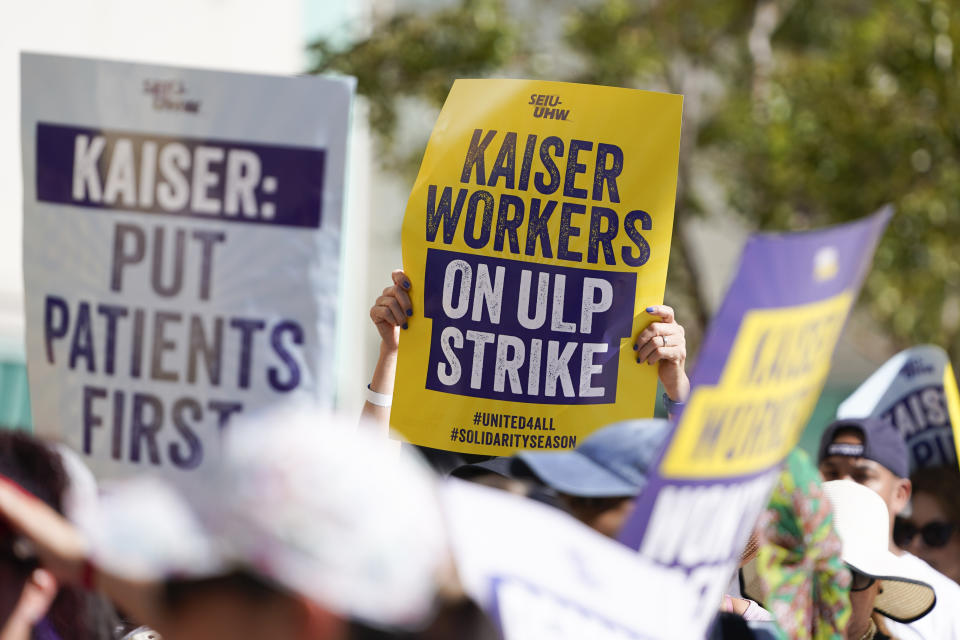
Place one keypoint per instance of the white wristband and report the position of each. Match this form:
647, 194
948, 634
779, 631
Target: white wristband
379, 399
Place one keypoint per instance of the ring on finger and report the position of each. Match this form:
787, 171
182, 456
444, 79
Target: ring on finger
663, 341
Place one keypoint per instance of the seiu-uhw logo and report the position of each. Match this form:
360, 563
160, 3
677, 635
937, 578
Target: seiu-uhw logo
547, 106
916, 367
170, 95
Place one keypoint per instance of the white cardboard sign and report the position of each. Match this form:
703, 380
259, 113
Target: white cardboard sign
181, 252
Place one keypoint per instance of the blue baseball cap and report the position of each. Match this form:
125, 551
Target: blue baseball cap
881, 442
613, 461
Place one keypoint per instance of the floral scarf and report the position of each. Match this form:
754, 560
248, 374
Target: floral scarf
802, 580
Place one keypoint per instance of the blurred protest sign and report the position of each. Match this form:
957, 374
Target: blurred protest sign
537, 232
758, 377
181, 251
916, 391
556, 578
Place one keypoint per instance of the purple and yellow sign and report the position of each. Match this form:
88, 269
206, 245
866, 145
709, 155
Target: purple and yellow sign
758, 377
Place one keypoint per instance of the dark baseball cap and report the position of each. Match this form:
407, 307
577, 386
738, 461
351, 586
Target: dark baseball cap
504, 466
611, 462
882, 443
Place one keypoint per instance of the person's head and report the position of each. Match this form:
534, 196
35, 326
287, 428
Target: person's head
932, 531
39, 470
870, 452
35, 468
241, 604
879, 583
302, 525
510, 474
863, 594
599, 480
496, 473
459, 619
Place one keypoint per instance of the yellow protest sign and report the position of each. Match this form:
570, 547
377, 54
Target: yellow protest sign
537, 232
953, 403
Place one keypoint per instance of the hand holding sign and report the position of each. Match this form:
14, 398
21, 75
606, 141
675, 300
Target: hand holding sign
665, 342
390, 311
389, 314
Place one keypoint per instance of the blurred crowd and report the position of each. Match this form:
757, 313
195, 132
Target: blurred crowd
309, 526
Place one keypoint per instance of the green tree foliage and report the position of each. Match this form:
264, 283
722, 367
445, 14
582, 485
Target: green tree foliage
859, 109
419, 55
806, 113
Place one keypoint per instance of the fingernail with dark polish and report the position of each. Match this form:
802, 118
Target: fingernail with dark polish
406, 284
638, 360
649, 309
404, 325
409, 312
636, 347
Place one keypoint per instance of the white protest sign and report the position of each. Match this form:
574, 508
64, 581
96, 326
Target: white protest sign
181, 252
543, 574
525, 612
916, 391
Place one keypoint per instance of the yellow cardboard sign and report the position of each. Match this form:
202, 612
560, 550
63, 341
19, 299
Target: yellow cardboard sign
536, 234
769, 386
953, 404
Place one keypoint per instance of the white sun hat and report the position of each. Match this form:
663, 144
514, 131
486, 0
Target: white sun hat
310, 502
861, 519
